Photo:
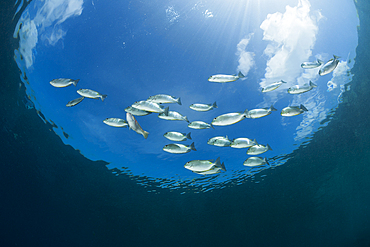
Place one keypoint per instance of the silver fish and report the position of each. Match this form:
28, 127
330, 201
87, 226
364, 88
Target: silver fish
204, 165
136, 112
219, 141
199, 125
176, 148
258, 149
225, 78
172, 115
312, 65
213, 170
116, 122
63, 82
293, 111
329, 66
255, 161
74, 102
242, 143
135, 126
163, 98
88, 93
149, 106
229, 118
258, 113
272, 86
177, 136
297, 89
203, 107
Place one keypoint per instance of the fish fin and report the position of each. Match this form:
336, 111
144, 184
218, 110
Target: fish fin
145, 134
223, 166
186, 119
214, 105
255, 141
320, 61
103, 97
272, 108
336, 57
218, 162
240, 75
166, 111
312, 84
268, 147
188, 136
245, 112
212, 126
302, 107
265, 160
283, 81
192, 147
75, 82
179, 101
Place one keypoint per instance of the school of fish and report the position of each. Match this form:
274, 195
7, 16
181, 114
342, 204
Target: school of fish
204, 167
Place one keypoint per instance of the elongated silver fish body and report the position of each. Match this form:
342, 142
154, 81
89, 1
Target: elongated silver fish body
88, 93
176, 148
172, 115
136, 112
219, 141
272, 86
329, 66
163, 98
298, 89
255, 161
213, 170
312, 65
149, 106
242, 143
177, 136
291, 111
116, 122
221, 78
75, 102
199, 125
203, 107
229, 118
63, 82
204, 165
258, 149
258, 113
135, 126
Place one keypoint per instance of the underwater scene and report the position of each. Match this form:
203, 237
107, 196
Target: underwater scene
185, 123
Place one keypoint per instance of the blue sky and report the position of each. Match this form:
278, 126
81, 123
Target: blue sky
131, 51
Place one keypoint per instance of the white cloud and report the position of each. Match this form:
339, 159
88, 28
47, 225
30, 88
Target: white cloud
246, 60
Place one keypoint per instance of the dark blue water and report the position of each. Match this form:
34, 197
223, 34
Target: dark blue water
50, 195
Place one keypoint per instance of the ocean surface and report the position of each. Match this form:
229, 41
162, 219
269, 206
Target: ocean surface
62, 185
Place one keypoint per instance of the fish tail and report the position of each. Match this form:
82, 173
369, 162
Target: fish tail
75, 82
223, 166
302, 107
265, 160
186, 119
320, 61
246, 112
283, 81
268, 147
192, 147
145, 134
240, 75
179, 101
272, 108
312, 84
103, 97
214, 105
166, 111
188, 136
336, 57
212, 126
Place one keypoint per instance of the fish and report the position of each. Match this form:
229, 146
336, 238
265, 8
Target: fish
272, 86
258, 149
172, 115
225, 78
291, 111
255, 161
88, 93
204, 165
136, 112
329, 66
177, 136
312, 65
150, 107
163, 98
176, 148
297, 89
74, 102
63, 82
242, 143
203, 107
199, 125
116, 122
229, 118
219, 141
213, 170
258, 113
135, 126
